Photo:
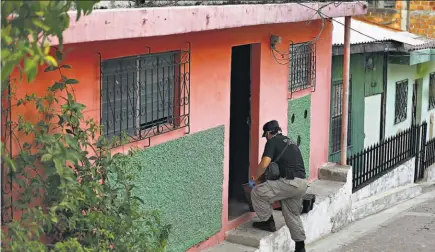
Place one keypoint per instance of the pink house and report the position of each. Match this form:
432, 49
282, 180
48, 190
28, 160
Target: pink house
204, 79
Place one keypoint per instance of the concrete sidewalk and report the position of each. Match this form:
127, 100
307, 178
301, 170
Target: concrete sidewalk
406, 227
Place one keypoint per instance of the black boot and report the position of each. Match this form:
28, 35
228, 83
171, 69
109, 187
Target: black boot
300, 246
268, 225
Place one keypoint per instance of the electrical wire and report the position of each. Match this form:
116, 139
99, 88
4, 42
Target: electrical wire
368, 36
285, 61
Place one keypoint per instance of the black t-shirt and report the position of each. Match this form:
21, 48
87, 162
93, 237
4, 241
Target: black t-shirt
291, 160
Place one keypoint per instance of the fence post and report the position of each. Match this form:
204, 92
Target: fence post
423, 149
416, 152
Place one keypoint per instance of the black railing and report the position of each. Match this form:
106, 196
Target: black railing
429, 157
431, 104
145, 95
378, 159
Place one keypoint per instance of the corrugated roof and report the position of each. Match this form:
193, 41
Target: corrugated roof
374, 34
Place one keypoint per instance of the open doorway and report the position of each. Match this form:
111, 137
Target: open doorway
240, 129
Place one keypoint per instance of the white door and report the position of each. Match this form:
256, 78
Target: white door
372, 119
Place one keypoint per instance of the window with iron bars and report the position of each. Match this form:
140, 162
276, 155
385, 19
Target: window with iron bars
144, 95
302, 66
432, 91
336, 115
401, 102
385, 4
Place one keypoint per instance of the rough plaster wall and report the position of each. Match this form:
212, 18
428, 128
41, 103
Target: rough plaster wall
402, 175
183, 179
430, 173
299, 126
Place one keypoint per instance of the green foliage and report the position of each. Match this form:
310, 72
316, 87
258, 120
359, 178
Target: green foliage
28, 27
88, 204
70, 192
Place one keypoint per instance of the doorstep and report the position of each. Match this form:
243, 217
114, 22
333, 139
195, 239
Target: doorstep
329, 211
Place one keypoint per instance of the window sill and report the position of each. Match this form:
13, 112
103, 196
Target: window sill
299, 93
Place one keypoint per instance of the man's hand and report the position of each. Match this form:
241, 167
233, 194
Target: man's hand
260, 179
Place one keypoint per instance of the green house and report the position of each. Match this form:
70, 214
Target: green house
387, 69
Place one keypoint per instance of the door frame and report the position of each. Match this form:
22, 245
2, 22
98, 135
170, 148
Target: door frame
255, 133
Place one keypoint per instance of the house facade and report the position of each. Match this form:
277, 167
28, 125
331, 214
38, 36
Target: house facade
192, 87
391, 85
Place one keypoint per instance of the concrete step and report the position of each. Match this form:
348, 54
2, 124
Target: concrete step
248, 236
427, 186
230, 247
334, 172
382, 201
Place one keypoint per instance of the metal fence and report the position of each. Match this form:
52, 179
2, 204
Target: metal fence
429, 156
378, 159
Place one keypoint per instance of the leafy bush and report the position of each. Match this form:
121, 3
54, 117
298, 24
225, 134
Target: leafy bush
71, 193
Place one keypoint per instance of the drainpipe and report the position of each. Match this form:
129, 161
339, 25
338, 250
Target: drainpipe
345, 94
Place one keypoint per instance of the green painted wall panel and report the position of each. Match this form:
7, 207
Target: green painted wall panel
358, 90
299, 126
374, 78
183, 179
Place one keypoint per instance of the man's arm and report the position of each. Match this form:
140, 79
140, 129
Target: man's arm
265, 161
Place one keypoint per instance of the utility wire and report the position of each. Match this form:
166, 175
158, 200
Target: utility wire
368, 36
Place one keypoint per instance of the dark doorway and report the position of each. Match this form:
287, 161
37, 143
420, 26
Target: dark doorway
240, 120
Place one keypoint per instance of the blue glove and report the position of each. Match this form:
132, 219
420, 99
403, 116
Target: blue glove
251, 183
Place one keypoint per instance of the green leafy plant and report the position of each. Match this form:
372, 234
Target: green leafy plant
69, 191
27, 29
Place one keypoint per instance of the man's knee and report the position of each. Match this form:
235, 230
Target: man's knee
257, 192
254, 192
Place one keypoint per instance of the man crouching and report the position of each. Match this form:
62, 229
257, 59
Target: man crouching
288, 189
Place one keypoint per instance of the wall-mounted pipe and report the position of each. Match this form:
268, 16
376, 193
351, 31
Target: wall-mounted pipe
345, 94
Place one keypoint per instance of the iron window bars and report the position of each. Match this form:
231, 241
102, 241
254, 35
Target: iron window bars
336, 115
401, 102
302, 66
145, 95
431, 91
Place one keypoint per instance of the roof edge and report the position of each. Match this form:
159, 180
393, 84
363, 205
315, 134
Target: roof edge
130, 23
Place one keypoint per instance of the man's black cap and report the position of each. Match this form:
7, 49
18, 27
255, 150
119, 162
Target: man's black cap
270, 126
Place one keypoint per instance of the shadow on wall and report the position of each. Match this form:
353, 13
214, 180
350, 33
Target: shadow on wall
299, 125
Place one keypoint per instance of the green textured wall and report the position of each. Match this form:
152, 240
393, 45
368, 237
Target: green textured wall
299, 126
183, 179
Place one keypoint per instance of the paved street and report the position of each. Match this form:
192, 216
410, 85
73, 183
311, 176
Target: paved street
407, 227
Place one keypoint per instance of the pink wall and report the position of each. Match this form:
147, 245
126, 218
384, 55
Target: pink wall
210, 85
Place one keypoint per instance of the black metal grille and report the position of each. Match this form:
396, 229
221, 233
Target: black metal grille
376, 160
302, 66
146, 95
432, 91
401, 103
429, 153
336, 115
